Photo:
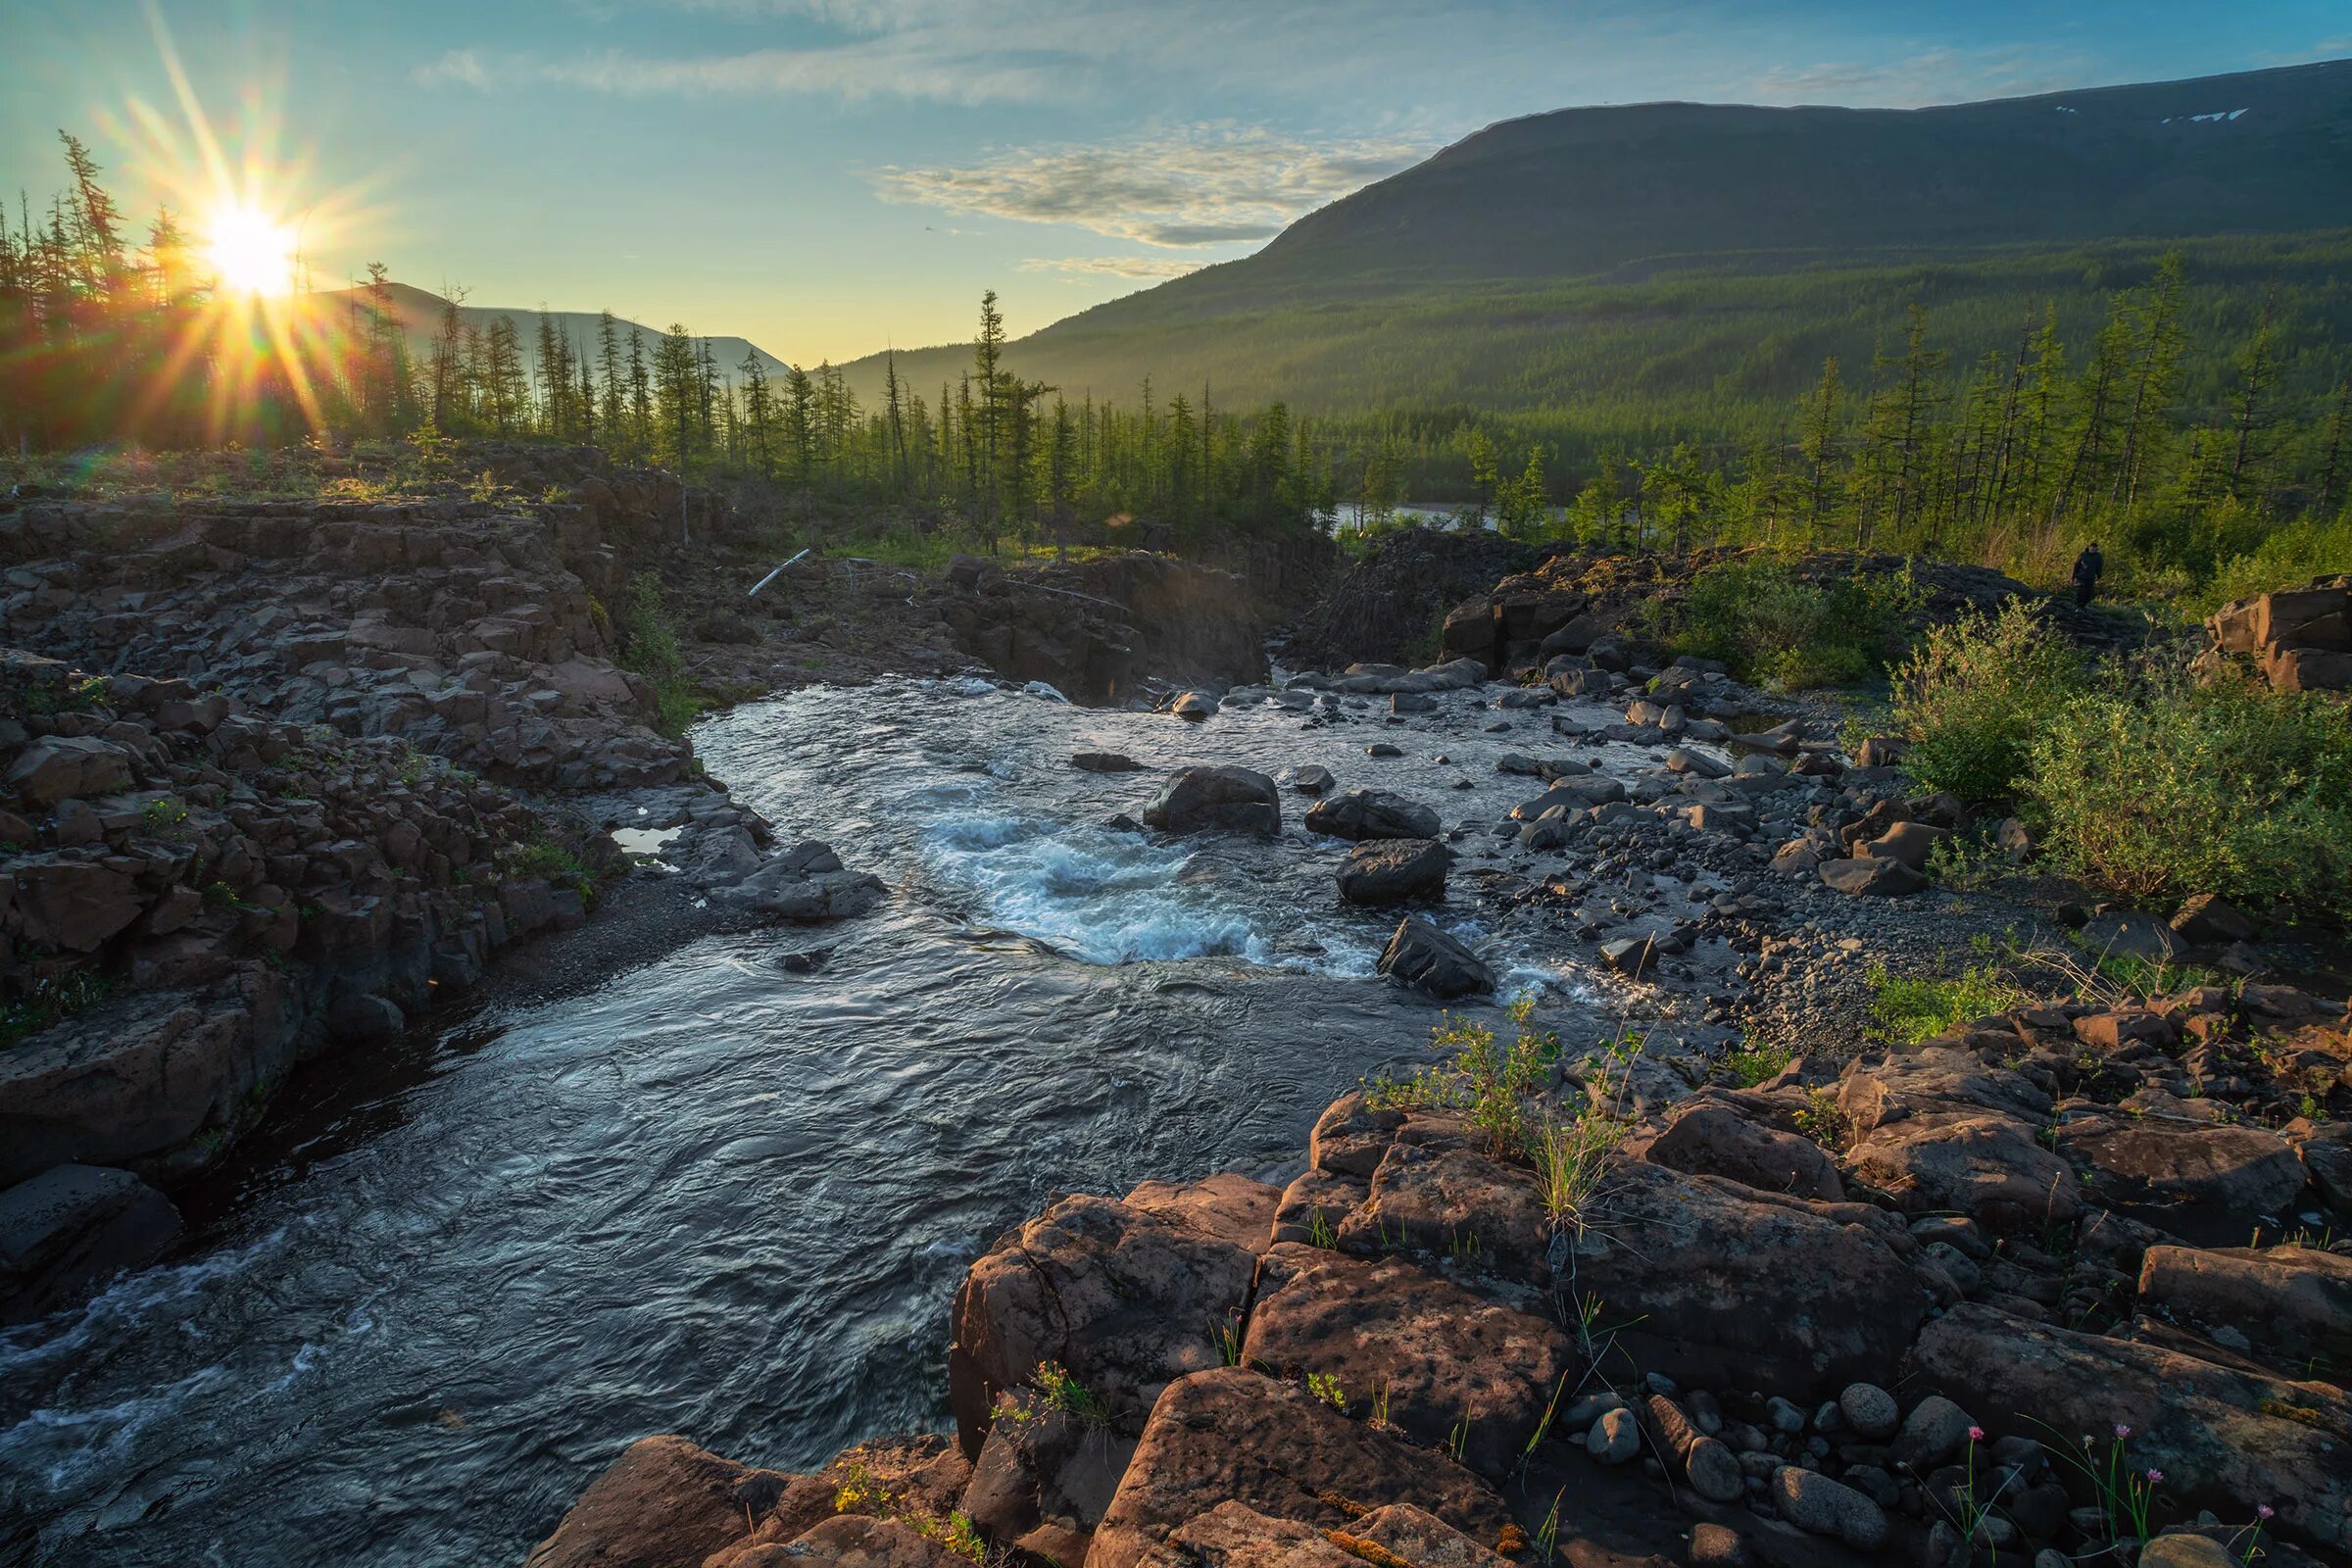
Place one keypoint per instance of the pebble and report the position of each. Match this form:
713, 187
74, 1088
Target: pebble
1615, 1437
1869, 1410
1933, 1432
1812, 1502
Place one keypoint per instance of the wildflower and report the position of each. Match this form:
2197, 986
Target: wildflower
2265, 1511
1976, 1433
2155, 1476
2121, 1431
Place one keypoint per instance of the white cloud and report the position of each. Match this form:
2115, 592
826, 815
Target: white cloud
1137, 268
1199, 186
1930, 75
462, 65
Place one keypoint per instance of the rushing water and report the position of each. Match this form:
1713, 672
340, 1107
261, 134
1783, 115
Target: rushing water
717, 1195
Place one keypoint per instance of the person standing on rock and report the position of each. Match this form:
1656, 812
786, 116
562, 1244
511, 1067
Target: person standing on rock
2088, 568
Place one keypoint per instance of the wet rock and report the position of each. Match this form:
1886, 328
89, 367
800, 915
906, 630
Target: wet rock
2219, 1435
664, 1503
1372, 815
806, 883
1105, 762
1423, 957
1454, 1369
1195, 706
1383, 749
67, 1231
1202, 799
1394, 871
1309, 779
1120, 1297
1235, 1436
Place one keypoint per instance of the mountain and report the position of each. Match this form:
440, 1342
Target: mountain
1530, 264
419, 314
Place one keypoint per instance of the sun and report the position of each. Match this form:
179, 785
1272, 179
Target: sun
252, 253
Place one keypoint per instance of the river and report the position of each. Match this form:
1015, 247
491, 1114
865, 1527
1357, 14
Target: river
731, 1193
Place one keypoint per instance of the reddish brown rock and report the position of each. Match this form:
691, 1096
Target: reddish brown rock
2289, 1306
1229, 1206
2223, 1438
1981, 1165
1044, 1478
1452, 1201
662, 1503
1235, 1435
1450, 1367
1720, 1285
1122, 1298
1711, 1138
2211, 1186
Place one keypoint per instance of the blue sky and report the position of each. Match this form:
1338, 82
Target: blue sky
828, 176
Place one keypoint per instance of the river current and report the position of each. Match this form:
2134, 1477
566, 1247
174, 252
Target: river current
731, 1193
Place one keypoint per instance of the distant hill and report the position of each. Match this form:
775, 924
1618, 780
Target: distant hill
1716, 251
420, 311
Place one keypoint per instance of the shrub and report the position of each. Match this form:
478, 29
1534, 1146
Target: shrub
2292, 556
1974, 695
650, 649
1769, 628
2160, 788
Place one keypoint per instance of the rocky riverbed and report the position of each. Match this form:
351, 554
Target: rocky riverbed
1760, 1283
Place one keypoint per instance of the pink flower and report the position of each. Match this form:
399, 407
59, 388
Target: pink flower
2155, 1476
2121, 1431
1976, 1433
2266, 1511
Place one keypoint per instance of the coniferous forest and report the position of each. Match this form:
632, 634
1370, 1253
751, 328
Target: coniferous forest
2193, 424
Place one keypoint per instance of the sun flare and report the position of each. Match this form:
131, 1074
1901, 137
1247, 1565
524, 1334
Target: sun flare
251, 252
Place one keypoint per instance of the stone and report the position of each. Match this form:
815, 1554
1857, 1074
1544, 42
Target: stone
858, 1541
2184, 1549
1909, 843
1615, 1438
2292, 1306
1871, 877
1043, 1463
1234, 1434
1710, 1138
1394, 871
1195, 706
1372, 815
1981, 1163
1869, 1410
2129, 934
664, 1503
1309, 779
1421, 955
1933, 1434
2210, 1186
1723, 1286
1118, 1297
1435, 1197
1105, 762
1453, 1367
59, 767
1708, 1464
1200, 799
1813, 1502
1714, 1545
67, 1231
2221, 1436
1698, 764
2208, 920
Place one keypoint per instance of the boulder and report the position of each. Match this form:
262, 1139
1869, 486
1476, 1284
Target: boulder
1720, 1285
1453, 1203
1871, 877
2211, 1186
1451, 1367
1200, 799
2288, 1307
1122, 1298
1421, 955
66, 901
1372, 815
1105, 762
1394, 871
854, 1541
1711, 1138
1310, 778
1812, 1502
67, 1231
61, 767
1910, 843
2220, 1437
1235, 1436
2208, 920
664, 1502
1981, 1163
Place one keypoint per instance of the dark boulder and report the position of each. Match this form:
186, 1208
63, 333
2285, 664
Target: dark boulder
1372, 815
1420, 954
1199, 799
1394, 871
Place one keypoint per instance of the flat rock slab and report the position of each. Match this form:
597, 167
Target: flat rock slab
2210, 1186
662, 1504
67, 1231
1446, 1365
1234, 1434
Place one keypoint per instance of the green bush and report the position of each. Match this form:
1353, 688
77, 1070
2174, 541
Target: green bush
1974, 695
2289, 558
1909, 1010
2159, 788
1768, 627
650, 649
